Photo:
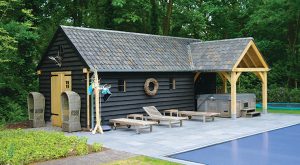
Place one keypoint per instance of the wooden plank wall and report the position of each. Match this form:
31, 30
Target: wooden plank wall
71, 62
122, 103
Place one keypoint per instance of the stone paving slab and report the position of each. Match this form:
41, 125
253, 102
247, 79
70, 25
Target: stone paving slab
91, 159
164, 141
194, 134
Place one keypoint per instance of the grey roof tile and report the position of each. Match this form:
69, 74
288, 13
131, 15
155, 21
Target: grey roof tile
217, 55
124, 51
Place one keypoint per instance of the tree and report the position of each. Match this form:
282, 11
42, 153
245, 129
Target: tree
18, 56
276, 24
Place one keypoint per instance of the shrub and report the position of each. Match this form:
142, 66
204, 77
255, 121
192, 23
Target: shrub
11, 111
278, 94
96, 147
24, 147
295, 95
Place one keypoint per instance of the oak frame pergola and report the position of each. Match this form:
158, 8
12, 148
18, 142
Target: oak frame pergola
250, 60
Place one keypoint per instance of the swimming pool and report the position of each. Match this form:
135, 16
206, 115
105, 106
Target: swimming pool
278, 147
285, 106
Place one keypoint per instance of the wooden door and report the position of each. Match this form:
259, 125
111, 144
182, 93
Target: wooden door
60, 82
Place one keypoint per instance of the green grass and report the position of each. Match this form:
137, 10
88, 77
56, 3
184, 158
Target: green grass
281, 111
142, 160
24, 147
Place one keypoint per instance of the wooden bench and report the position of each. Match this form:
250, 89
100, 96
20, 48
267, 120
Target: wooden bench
135, 116
138, 124
204, 115
171, 111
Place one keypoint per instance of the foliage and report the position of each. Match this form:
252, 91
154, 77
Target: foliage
96, 147
26, 28
295, 96
281, 94
142, 160
18, 58
24, 147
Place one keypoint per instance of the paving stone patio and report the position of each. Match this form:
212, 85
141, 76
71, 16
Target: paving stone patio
164, 141
194, 134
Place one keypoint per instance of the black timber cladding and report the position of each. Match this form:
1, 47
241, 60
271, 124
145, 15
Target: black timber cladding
71, 62
122, 103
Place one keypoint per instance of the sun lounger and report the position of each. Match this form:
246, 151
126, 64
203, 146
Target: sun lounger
155, 115
204, 115
138, 124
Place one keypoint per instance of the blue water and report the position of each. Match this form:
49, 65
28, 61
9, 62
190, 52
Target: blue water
278, 147
287, 106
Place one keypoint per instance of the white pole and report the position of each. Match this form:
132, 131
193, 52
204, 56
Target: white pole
98, 127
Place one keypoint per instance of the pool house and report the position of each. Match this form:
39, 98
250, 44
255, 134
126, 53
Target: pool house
183, 68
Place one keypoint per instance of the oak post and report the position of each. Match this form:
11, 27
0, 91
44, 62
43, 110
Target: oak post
233, 95
264, 93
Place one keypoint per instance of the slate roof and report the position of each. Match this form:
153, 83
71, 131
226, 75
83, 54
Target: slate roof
218, 55
116, 51
124, 51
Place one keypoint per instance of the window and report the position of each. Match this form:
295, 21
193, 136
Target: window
121, 85
172, 83
246, 105
67, 84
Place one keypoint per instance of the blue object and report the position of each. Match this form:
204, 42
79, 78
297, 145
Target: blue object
90, 90
105, 91
280, 106
278, 147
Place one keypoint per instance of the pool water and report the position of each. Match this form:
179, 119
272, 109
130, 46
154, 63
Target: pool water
285, 106
278, 147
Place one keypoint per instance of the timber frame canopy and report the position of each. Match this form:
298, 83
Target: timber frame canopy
237, 56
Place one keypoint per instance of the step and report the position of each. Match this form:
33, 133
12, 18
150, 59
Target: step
253, 114
248, 110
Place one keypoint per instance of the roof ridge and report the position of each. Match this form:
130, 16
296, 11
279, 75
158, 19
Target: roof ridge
116, 31
223, 40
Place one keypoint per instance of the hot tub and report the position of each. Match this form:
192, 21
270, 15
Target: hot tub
221, 103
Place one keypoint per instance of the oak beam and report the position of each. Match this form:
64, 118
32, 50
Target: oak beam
264, 93
226, 75
250, 69
262, 60
251, 59
233, 95
243, 54
238, 75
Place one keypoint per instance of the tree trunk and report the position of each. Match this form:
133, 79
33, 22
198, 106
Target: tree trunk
78, 9
108, 15
154, 17
167, 18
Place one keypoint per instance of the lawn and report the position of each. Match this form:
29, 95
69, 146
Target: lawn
281, 111
142, 160
24, 147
